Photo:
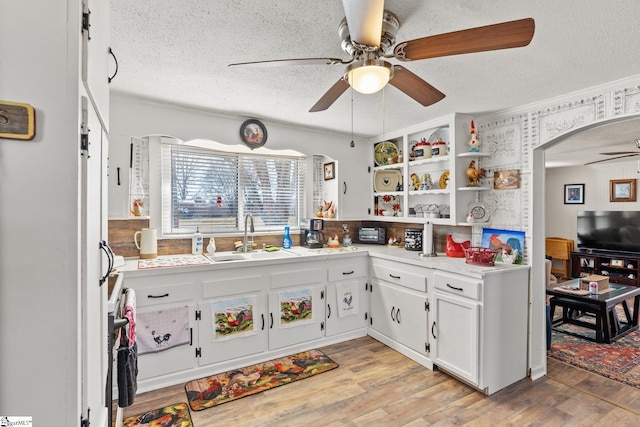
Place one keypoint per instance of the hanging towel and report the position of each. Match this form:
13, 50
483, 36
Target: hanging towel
347, 298
159, 330
128, 352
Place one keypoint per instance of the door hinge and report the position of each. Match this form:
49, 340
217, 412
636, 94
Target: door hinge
368, 169
427, 347
427, 306
85, 422
85, 23
368, 211
84, 127
321, 294
198, 315
529, 372
322, 326
198, 351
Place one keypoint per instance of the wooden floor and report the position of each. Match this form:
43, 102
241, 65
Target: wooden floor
376, 386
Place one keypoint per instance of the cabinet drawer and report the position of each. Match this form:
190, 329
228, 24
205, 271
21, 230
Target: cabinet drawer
410, 276
457, 285
234, 281
164, 294
347, 269
297, 274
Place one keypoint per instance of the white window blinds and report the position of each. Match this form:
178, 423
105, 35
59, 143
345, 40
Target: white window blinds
214, 190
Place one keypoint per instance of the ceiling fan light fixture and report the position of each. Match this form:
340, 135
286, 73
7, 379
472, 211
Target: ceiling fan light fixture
369, 76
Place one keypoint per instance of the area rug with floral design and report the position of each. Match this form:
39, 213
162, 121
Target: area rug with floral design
176, 415
225, 387
619, 361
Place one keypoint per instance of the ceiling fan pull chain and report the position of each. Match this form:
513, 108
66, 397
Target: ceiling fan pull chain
353, 144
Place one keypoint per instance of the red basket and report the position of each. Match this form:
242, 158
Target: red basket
480, 256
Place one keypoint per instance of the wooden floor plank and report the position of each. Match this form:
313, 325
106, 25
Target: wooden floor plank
376, 386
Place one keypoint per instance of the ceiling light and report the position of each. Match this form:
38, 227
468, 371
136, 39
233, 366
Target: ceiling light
369, 76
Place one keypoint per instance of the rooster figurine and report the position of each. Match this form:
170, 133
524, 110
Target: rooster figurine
473, 142
474, 174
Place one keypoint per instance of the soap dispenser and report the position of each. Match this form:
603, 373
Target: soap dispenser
286, 239
197, 242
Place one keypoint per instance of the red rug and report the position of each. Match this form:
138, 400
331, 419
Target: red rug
222, 388
619, 361
176, 415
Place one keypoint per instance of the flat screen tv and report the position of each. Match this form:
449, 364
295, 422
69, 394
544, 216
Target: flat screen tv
610, 231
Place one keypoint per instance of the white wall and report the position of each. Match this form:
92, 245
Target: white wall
39, 224
560, 219
137, 117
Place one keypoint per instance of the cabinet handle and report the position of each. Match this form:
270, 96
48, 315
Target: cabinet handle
262, 315
271, 316
392, 314
346, 273
454, 288
344, 186
329, 307
398, 315
158, 296
433, 326
394, 277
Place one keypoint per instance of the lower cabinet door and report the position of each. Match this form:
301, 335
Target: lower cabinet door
400, 314
231, 326
165, 339
455, 336
346, 306
296, 315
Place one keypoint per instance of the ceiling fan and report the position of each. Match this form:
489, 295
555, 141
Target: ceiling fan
618, 154
368, 34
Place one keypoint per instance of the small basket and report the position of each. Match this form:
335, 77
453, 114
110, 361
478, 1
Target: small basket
602, 281
480, 256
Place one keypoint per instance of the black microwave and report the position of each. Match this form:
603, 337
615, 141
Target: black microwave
372, 235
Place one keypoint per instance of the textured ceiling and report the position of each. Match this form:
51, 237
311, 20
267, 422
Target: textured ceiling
178, 52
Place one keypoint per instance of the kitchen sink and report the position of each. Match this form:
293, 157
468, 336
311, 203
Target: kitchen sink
248, 256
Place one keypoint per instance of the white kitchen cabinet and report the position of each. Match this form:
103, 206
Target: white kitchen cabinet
155, 295
400, 314
232, 317
446, 172
347, 299
296, 304
478, 331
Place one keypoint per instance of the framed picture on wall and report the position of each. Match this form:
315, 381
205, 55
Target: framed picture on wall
622, 190
329, 171
574, 194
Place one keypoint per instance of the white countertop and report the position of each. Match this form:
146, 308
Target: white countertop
395, 253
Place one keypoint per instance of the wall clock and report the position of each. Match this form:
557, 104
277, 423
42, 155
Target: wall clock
477, 213
253, 133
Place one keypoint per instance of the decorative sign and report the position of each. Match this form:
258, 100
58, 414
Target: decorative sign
17, 121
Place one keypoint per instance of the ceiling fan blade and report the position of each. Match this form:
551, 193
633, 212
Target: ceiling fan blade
414, 86
364, 18
617, 153
285, 62
612, 158
491, 37
330, 97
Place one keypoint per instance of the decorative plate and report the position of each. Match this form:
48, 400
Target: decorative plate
477, 212
253, 133
389, 206
386, 180
444, 180
383, 151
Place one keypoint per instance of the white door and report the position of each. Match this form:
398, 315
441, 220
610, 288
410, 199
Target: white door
456, 336
241, 327
295, 315
94, 264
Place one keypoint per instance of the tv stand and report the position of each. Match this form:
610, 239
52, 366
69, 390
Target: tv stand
620, 268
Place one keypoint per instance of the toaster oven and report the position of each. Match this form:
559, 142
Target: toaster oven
372, 235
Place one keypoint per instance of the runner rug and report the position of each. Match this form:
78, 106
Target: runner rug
619, 361
222, 388
176, 415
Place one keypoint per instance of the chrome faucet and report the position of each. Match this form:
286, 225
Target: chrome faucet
245, 246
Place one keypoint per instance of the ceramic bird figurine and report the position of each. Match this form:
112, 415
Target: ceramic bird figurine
473, 142
474, 174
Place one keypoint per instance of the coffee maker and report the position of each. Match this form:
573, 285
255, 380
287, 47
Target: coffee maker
312, 235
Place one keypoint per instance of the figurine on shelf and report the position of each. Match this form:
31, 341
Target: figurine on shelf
426, 183
474, 174
415, 181
473, 142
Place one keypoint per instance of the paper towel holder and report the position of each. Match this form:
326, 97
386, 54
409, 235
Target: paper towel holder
432, 253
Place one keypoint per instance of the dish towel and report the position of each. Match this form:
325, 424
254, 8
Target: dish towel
128, 353
160, 330
347, 298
